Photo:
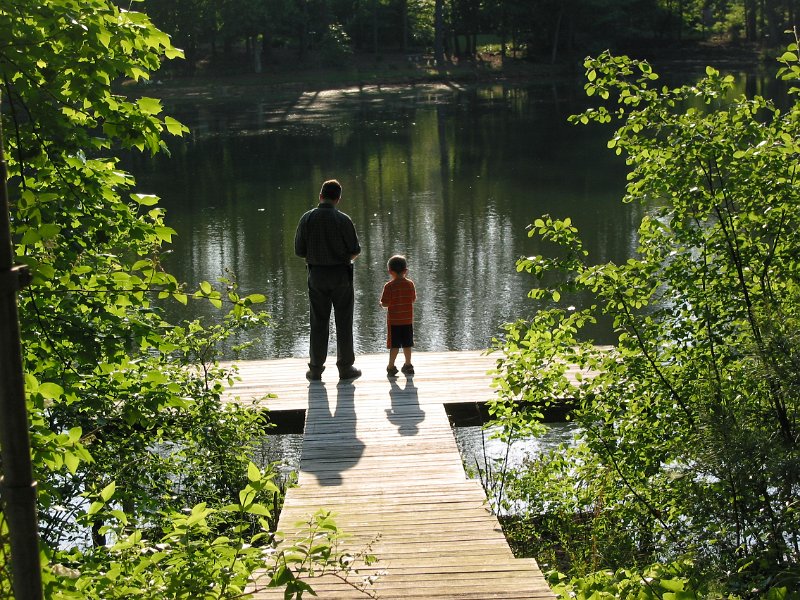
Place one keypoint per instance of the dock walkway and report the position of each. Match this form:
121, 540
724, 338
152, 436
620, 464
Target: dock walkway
381, 455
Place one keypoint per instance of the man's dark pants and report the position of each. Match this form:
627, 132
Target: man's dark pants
331, 287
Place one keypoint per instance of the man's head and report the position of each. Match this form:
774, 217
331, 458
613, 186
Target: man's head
331, 191
397, 264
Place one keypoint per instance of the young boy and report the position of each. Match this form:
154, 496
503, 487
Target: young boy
398, 297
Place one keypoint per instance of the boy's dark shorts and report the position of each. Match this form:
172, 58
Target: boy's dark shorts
400, 336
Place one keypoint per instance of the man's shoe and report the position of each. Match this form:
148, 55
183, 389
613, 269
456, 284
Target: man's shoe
350, 373
313, 375
391, 371
408, 369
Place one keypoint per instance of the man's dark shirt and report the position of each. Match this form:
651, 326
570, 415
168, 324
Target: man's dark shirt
326, 236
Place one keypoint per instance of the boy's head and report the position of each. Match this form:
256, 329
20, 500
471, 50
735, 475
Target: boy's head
397, 264
331, 191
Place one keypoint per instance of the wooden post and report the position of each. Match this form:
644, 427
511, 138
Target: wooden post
17, 488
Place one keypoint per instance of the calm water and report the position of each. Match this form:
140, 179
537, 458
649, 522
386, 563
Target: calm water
448, 176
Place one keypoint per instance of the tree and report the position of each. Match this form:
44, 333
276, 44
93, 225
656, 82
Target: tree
130, 440
190, 23
689, 457
438, 33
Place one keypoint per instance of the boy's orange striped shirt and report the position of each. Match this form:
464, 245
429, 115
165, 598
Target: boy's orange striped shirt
399, 296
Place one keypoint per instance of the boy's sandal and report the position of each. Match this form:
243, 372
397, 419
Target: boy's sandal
391, 371
408, 369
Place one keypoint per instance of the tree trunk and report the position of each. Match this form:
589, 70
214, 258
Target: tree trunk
303, 37
17, 488
266, 50
773, 21
438, 36
750, 19
560, 16
503, 34
375, 27
404, 11
257, 54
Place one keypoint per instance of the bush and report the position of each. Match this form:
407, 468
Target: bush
690, 451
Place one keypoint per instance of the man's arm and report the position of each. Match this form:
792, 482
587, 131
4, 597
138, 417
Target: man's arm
300, 242
351, 239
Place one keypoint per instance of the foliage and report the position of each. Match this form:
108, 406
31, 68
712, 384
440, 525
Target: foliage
190, 560
143, 472
654, 582
5, 559
318, 553
689, 448
541, 27
335, 46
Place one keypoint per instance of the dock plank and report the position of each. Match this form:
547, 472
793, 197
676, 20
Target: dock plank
380, 454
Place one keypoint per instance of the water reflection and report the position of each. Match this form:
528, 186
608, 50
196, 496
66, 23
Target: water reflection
478, 447
449, 177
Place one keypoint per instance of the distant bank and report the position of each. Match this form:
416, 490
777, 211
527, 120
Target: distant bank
287, 74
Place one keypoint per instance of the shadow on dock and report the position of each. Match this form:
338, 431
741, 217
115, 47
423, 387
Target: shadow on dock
405, 413
331, 445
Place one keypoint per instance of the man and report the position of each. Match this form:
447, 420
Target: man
327, 239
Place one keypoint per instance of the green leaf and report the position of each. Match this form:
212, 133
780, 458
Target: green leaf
253, 472
48, 231
259, 509
174, 126
145, 199
672, 585
150, 106
50, 390
108, 491
31, 383
246, 497
104, 37
71, 460
165, 233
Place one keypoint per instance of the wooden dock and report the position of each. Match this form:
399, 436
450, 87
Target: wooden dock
381, 455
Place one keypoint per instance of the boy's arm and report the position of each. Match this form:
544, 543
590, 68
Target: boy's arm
384, 301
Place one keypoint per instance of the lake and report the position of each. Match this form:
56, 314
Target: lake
448, 175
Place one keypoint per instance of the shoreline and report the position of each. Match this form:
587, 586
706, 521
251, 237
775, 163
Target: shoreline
214, 81
362, 74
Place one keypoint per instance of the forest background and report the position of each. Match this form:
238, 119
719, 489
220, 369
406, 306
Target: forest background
253, 35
